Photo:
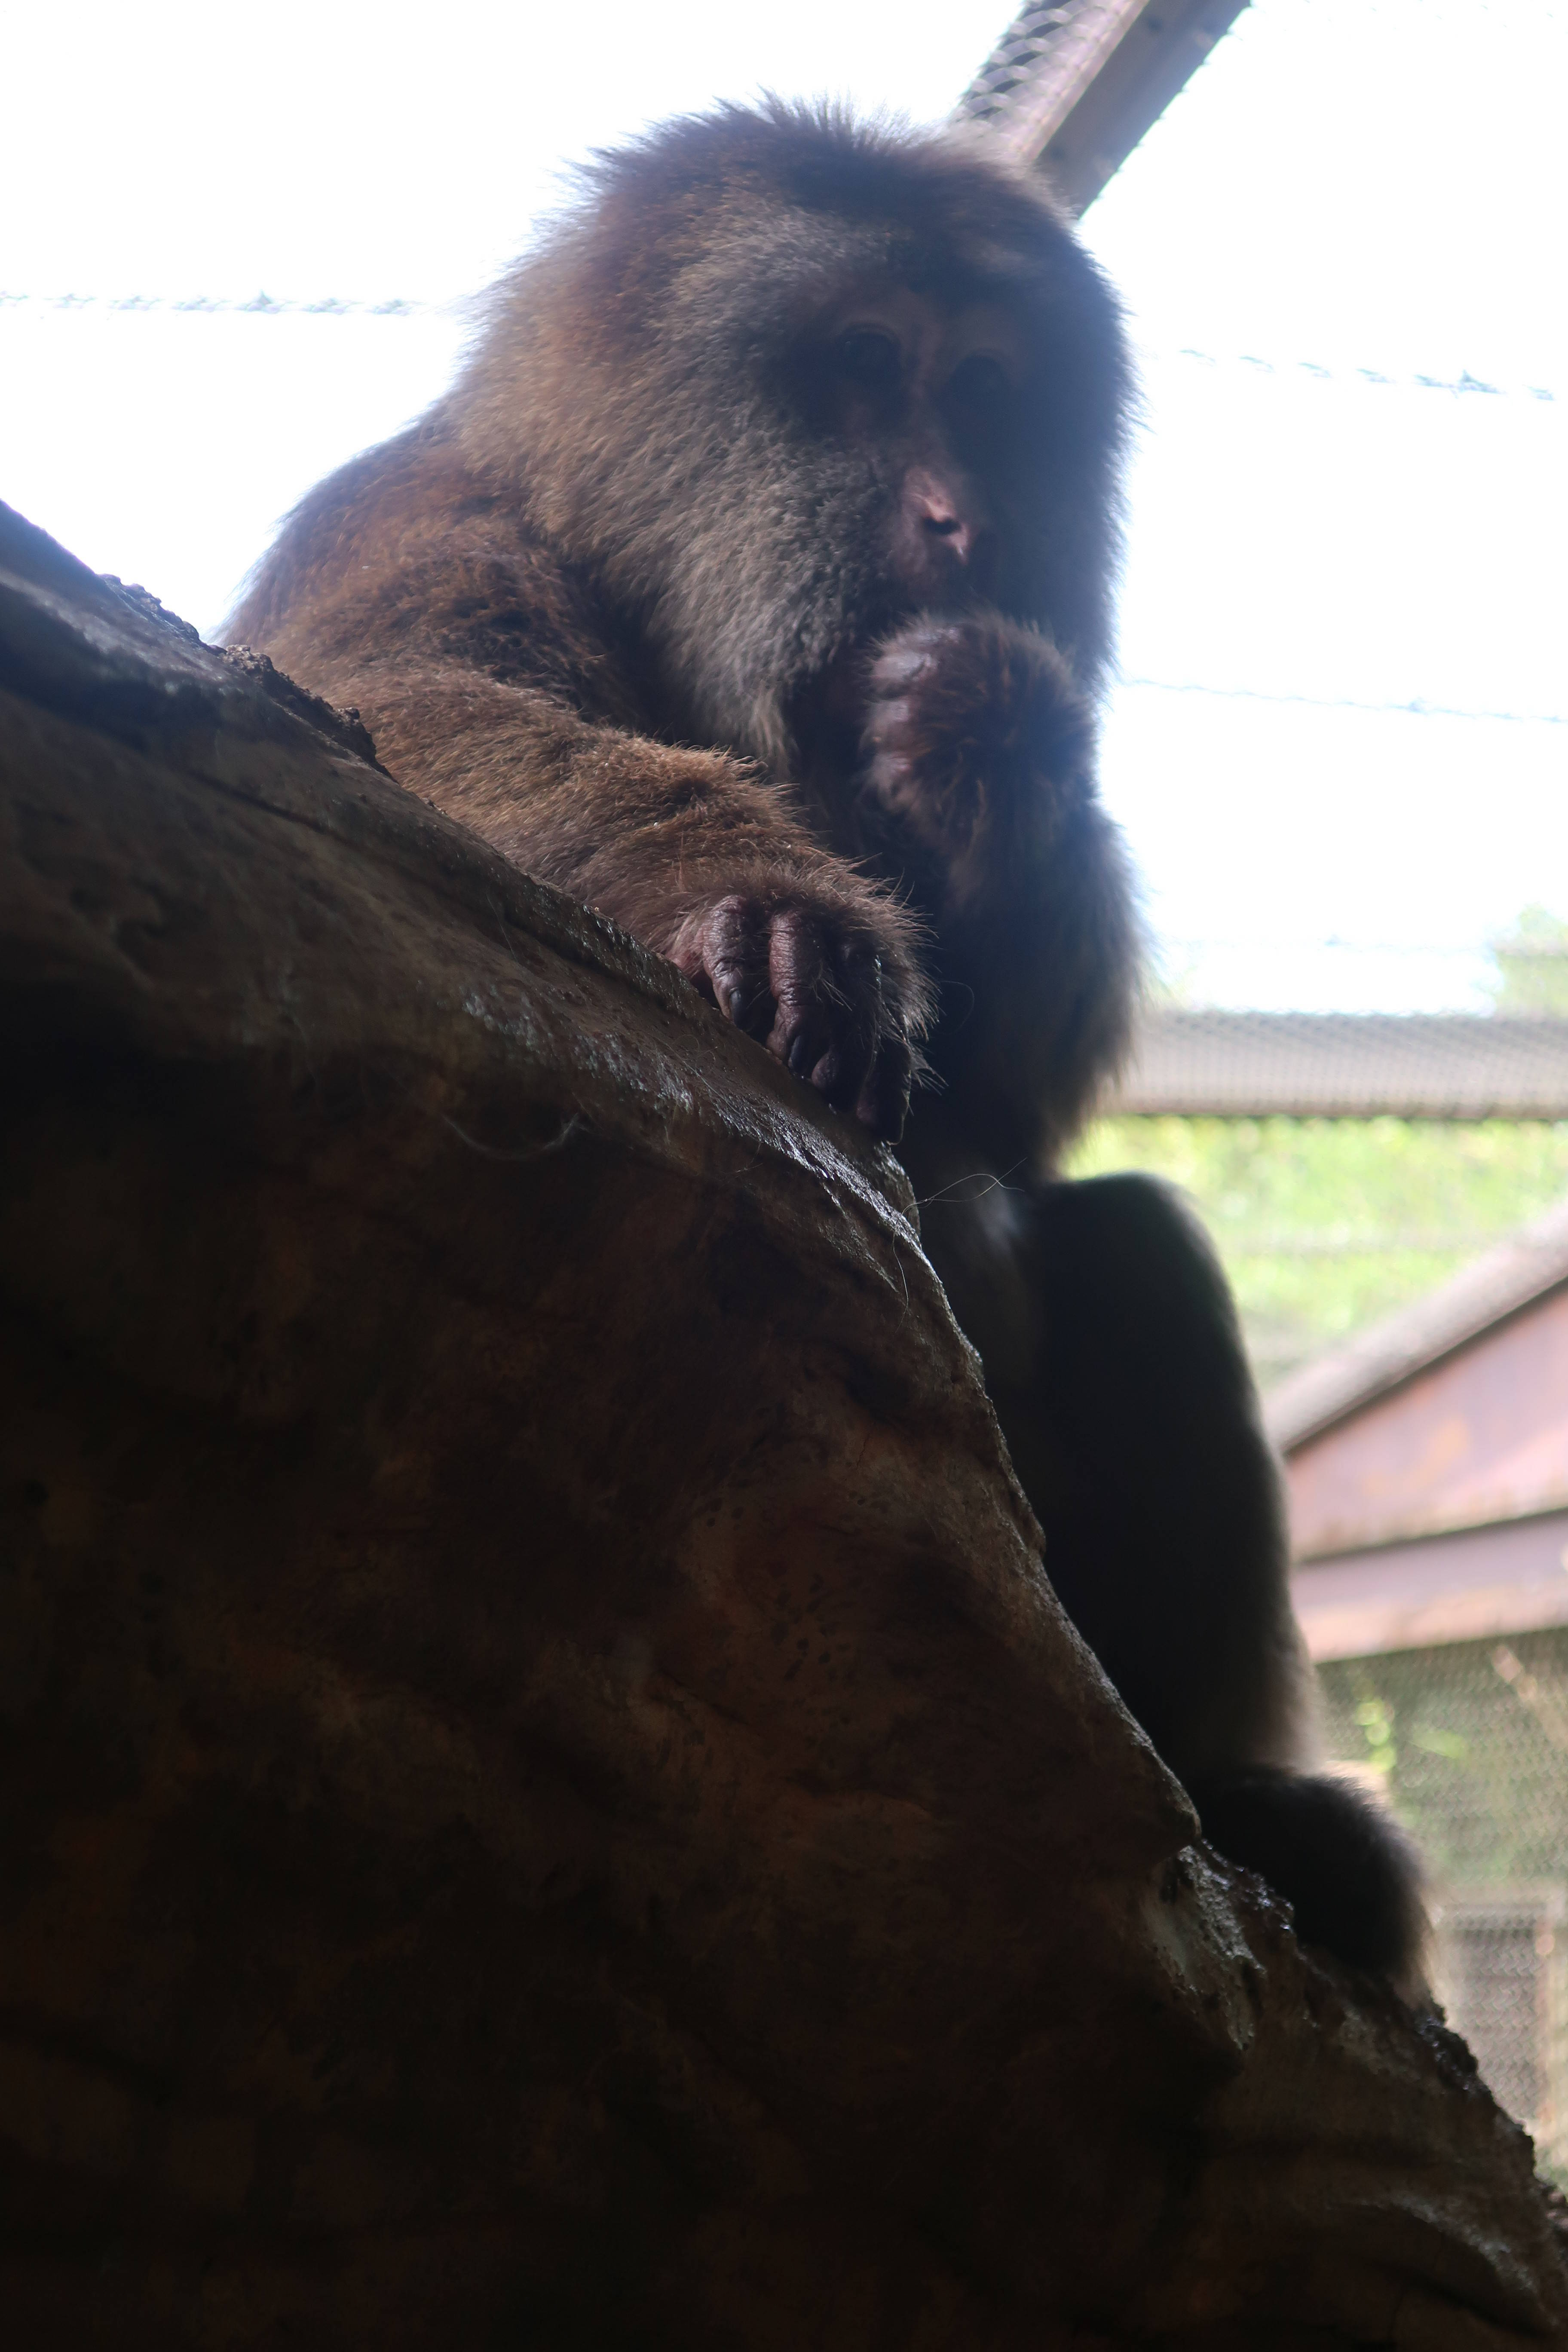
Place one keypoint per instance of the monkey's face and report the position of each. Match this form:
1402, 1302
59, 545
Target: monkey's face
869, 452
929, 404
871, 449
924, 407
780, 386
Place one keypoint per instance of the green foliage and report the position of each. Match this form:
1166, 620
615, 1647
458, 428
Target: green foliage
1325, 1225
1532, 957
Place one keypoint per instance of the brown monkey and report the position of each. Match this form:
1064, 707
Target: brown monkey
753, 584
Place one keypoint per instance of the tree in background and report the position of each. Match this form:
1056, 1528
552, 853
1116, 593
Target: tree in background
1532, 959
1326, 1224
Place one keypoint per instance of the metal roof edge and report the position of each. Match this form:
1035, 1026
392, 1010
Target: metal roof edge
1523, 1268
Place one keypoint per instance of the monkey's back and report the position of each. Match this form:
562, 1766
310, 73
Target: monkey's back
403, 568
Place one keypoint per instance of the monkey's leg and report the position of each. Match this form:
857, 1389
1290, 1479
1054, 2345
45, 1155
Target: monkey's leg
1351, 1875
1115, 1361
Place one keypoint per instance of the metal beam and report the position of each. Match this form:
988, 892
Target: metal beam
1461, 1065
1073, 87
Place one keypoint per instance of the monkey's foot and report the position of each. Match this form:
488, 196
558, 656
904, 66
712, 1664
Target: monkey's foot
1344, 1864
970, 721
810, 982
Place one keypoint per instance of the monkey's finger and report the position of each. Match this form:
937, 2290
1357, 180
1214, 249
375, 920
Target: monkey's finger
799, 978
884, 1100
734, 950
842, 1070
891, 778
838, 1047
912, 651
858, 1021
894, 672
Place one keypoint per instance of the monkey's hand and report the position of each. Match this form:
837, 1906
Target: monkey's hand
826, 981
977, 740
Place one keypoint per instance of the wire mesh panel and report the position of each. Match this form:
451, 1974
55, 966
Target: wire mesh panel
1204, 1061
1470, 1743
1499, 1967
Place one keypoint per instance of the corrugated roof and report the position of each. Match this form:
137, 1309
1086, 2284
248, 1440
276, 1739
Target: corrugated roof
1524, 1268
1347, 1066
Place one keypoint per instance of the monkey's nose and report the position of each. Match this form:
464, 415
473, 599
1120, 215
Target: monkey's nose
939, 513
952, 531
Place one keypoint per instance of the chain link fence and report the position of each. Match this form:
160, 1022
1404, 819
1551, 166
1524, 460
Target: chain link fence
1470, 1744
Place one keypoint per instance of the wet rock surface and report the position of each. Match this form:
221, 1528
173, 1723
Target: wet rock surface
546, 1797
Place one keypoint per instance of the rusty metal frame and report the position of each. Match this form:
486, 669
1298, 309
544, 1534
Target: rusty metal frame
1073, 87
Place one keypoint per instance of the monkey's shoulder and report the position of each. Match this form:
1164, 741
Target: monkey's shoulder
404, 554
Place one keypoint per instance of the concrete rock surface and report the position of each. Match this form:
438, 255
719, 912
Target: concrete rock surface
547, 1800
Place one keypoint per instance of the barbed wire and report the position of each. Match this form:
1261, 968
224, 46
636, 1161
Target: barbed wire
264, 305
1238, 1242
1497, 945
260, 305
270, 306
1417, 708
1414, 381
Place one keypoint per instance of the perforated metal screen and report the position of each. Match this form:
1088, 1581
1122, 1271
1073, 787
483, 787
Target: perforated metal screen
1470, 1744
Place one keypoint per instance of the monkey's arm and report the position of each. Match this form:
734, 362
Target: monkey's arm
981, 763
1114, 1358
491, 683
699, 857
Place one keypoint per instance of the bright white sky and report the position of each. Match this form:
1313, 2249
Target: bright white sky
1353, 183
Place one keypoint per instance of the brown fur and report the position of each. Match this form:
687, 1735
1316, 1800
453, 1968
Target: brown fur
784, 652
547, 605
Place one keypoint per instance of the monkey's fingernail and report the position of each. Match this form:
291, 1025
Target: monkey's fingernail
800, 1055
753, 1013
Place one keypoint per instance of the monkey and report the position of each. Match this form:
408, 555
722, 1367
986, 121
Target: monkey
754, 583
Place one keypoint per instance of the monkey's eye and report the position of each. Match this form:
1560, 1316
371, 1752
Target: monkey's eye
980, 386
868, 359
